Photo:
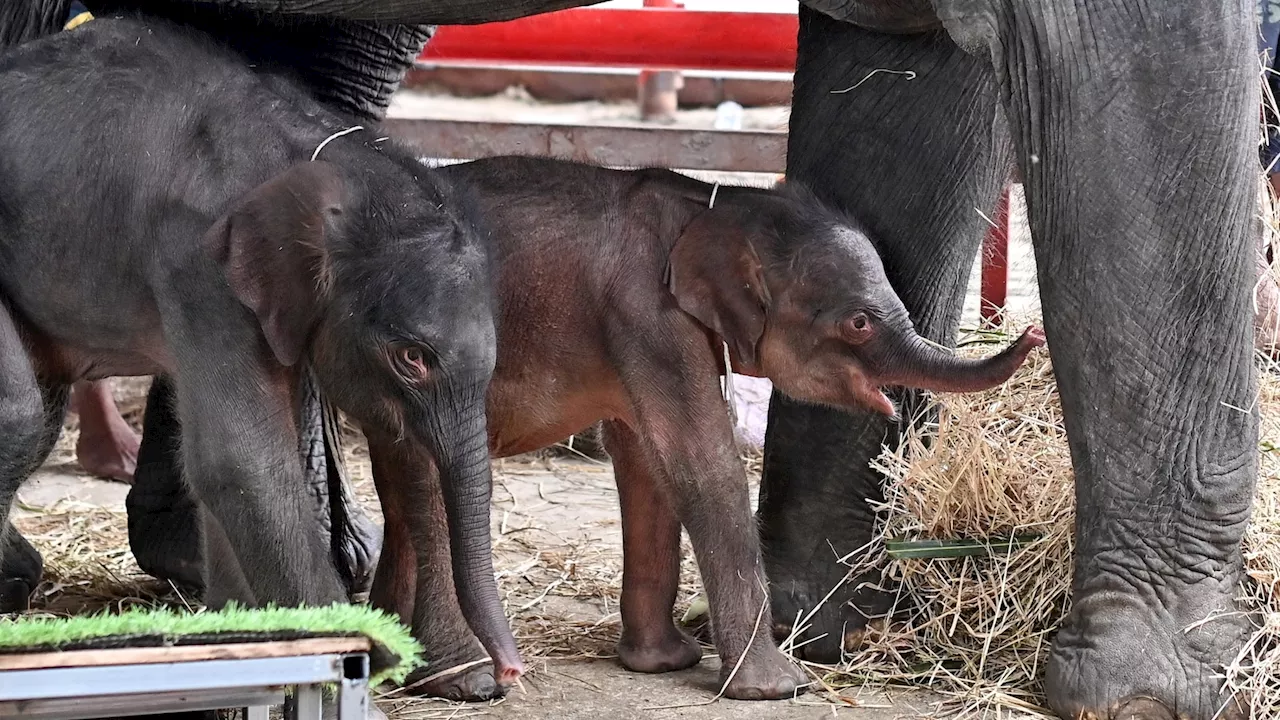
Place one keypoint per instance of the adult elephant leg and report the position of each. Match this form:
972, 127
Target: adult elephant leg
1141, 194
20, 563
917, 159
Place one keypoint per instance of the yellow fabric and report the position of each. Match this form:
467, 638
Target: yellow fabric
78, 20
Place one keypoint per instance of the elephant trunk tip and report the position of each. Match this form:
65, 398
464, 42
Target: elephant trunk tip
507, 672
1007, 363
507, 665
1031, 338
929, 369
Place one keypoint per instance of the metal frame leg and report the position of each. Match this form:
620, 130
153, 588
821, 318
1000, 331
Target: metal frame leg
353, 691
306, 703
261, 712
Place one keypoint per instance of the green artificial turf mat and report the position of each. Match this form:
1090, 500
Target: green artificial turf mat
394, 655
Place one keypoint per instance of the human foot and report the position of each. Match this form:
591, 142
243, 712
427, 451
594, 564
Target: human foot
107, 447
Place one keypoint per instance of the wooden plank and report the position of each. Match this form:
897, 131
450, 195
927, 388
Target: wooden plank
184, 653
564, 85
608, 145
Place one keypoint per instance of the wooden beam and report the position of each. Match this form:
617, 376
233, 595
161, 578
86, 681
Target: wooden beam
183, 653
611, 146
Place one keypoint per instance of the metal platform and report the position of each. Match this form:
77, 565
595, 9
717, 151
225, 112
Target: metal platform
251, 677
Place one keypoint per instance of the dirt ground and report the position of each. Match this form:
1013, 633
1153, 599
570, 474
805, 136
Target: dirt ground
556, 533
558, 550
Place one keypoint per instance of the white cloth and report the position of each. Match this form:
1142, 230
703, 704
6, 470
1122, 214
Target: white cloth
751, 400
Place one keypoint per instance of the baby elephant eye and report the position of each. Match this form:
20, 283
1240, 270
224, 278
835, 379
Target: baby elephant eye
412, 361
856, 329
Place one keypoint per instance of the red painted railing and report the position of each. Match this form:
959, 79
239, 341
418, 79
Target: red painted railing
660, 38
649, 39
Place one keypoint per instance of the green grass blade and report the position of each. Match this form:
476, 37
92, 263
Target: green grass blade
900, 549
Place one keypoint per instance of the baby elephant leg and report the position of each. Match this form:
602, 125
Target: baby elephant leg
414, 579
684, 427
651, 642
164, 520
30, 421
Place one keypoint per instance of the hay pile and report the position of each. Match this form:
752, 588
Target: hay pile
978, 625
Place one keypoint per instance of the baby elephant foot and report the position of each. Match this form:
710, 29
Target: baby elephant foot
15, 595
20, 570
673, 650
471, 684
766, 676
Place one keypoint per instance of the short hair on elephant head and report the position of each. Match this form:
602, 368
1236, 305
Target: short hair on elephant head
799, 293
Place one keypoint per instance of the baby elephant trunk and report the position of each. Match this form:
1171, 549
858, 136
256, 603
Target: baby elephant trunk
465, 475
919, 364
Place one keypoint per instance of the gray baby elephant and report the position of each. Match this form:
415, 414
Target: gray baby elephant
163, 212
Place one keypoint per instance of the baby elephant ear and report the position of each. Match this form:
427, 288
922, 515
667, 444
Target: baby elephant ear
272, 246
716, 276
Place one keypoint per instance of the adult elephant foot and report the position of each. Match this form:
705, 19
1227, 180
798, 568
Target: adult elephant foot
1114, 658
807, 529
838, 624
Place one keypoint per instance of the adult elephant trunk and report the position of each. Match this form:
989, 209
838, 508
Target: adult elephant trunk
914, 362
462, 455
433, 12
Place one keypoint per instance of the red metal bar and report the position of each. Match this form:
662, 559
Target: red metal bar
995, 265
646, 39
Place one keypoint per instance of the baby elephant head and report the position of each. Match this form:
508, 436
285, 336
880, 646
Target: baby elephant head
800, 296
367, 273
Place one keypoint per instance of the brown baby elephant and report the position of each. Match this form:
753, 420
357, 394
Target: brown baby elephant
618, 294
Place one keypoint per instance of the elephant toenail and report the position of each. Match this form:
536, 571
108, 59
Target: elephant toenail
1142, 707
853, 639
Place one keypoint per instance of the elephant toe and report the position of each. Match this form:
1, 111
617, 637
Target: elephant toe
475, 684
832, 624
1140, 707
767, 677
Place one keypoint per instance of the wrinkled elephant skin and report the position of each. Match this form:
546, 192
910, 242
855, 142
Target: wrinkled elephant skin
1132, 126
253, 261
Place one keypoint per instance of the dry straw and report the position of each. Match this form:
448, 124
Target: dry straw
993, 469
